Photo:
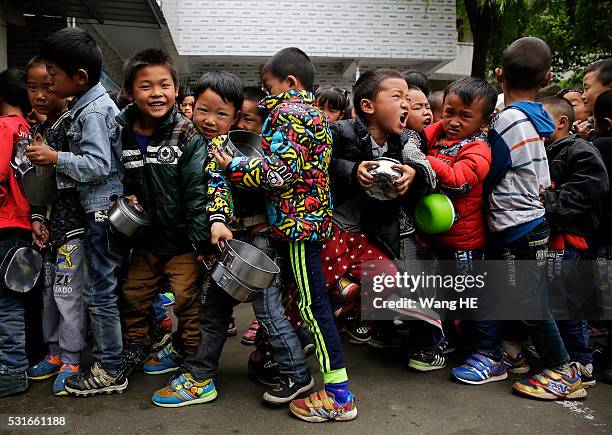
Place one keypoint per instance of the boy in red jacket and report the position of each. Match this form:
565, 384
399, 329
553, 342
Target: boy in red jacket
15, 230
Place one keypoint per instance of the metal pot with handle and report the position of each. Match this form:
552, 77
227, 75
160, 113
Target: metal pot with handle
243, 143
21, 268
39, 183
128, 217
232, 285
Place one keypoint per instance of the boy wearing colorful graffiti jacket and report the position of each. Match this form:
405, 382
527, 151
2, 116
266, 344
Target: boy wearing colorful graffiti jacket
294, 175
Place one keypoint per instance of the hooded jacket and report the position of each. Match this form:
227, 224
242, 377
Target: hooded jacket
604, 232
519, 169
168, 181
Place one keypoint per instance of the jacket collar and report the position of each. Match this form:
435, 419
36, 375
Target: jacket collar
92, 94
131, 113
292, 96
557, 145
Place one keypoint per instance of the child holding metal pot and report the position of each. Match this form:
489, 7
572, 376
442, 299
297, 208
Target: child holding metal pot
60, 225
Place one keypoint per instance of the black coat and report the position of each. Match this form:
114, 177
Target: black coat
380, 220
604, 233
579, 179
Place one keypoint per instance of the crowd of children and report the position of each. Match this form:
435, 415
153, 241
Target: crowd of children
529, 180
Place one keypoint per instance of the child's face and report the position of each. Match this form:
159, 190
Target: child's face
333, 115
63, 84
420, 113
187, 106
274, 86
249, 117
592, 89
461, 120
154, 91
389, 110
562, 127
41, 96
580, 111
212, 115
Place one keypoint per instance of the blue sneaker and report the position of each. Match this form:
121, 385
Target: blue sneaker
479, 369
166, 360
48, 367
168, 299
66, 371
184, 391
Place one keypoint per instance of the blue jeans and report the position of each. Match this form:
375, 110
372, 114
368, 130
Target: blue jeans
270, 312
13, 358
544, 333
104, 252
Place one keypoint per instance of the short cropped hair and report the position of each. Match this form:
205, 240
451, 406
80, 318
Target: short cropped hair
603, 105
470, 89
35, 61
603, 68
368, 86
436, 99
292, 62
144, 58
13, 89
227, 85
253, 93
559, 106
72, 49
526, 62
416, 78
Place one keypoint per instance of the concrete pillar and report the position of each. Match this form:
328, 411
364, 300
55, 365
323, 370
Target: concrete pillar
3, 49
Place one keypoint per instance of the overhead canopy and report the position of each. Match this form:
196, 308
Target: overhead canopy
144, 12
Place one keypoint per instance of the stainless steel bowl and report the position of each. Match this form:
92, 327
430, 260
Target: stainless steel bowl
38, 182
384, 175
244, 143
248, 264
127, 217
232, 285
21, 268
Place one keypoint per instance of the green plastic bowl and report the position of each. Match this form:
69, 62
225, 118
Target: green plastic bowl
434, 213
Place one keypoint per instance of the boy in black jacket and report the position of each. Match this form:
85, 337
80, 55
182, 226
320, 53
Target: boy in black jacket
572, 204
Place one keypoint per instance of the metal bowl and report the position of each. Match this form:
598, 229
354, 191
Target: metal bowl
232, 285
384, 175
248, 264
244, 143
127, 217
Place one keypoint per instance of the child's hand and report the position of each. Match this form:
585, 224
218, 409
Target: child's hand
404, 182
219, 232
223, 159
40, 234
584, 129
364, 178
40, 153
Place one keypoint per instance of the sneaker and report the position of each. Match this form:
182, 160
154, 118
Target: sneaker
358, 332
552, 385
586, 373
287, 390
48, 367
516, 364
96, 380
66, 371
607, 375
425, 361
160, 338
231, 329
265, 369
166, 324
13, 384
248, 338
184, 390
166, 360
384, 339
132, 358
321, 406
168, 299
446, 346
479, 369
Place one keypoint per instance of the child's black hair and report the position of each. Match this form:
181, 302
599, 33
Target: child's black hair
603, 68
368, 86
227, 85
36, 60
526, 62
253, 93
13, 89
603, 105
333, 97
72, 49
559, 106
471, 89
120, 98
144, 58
436, 100
291, 62
416, 78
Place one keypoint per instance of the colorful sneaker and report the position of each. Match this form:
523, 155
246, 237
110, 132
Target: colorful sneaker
586, 374
66, 371
425, 361
516, 364
287, 390
168, 299
48, 367
479, 369
552, 385
96, 380
166, 360
248, 338
184, 390
321, 406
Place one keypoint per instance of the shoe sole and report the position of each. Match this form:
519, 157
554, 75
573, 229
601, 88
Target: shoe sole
357, 341
351, 415
232, 333
43, 377
106, 390
268, 398
247, 342
518, 370
206, 399
423, 368
161, 372
484, 381
576, 395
